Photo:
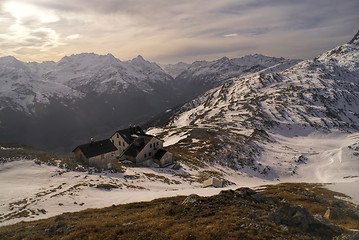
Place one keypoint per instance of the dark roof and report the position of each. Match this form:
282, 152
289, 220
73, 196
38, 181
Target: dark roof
128, 134
137, 145
159, 154
97, 148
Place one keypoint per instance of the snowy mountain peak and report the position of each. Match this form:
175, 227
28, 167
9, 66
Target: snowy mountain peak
139, 58
140, 61
224, 59
90, 58
8, 59
355, 39
11, 61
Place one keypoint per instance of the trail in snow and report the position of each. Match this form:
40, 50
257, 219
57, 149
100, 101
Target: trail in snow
330, 158
323, 171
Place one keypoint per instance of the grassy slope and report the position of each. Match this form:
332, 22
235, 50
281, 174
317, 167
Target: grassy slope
219, 217
15, 150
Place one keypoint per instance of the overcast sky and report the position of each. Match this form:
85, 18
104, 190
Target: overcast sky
169, 31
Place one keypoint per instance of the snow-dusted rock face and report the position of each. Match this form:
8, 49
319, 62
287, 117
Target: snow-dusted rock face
321, 94
175, 69
269, 122
75, 76
21, 88
201, 76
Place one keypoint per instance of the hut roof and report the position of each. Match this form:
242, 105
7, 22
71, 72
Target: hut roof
96, 148
131, 133
137, 145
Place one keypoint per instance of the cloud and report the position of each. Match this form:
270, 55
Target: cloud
170, 29
73, 36
24, 29
231, 35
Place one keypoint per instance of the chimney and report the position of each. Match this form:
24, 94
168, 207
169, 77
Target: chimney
134, 128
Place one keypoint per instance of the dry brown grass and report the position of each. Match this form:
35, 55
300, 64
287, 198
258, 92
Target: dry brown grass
205, 174
155, 177
219, 217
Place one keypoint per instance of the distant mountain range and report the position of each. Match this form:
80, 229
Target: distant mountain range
57, 105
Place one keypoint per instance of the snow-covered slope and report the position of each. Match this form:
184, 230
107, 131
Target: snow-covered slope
282, 125
204, 75
90, 72
30, 191
21, 87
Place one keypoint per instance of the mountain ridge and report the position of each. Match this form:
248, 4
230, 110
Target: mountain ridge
248, 121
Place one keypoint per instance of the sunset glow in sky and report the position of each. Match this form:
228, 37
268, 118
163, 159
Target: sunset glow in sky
169, 31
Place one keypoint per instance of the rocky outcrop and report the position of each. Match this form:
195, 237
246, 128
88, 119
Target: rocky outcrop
298, 217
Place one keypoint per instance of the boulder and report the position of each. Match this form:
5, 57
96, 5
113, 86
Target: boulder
298, 217
338, 204
295, 216
334, 213
244, 192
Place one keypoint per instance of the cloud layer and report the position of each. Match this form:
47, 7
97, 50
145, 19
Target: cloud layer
171, 30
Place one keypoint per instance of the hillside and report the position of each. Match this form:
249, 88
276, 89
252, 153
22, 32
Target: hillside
298, 123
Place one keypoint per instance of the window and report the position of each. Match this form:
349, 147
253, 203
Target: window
145, 155
151, 145
117, 135
149, 154
123, 143
157, 143
119, 143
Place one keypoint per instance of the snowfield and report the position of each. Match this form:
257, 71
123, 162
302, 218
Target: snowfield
41, 191
30, 191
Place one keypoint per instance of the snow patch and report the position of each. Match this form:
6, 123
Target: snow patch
173, 139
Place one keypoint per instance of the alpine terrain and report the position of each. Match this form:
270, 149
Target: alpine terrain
276, 122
